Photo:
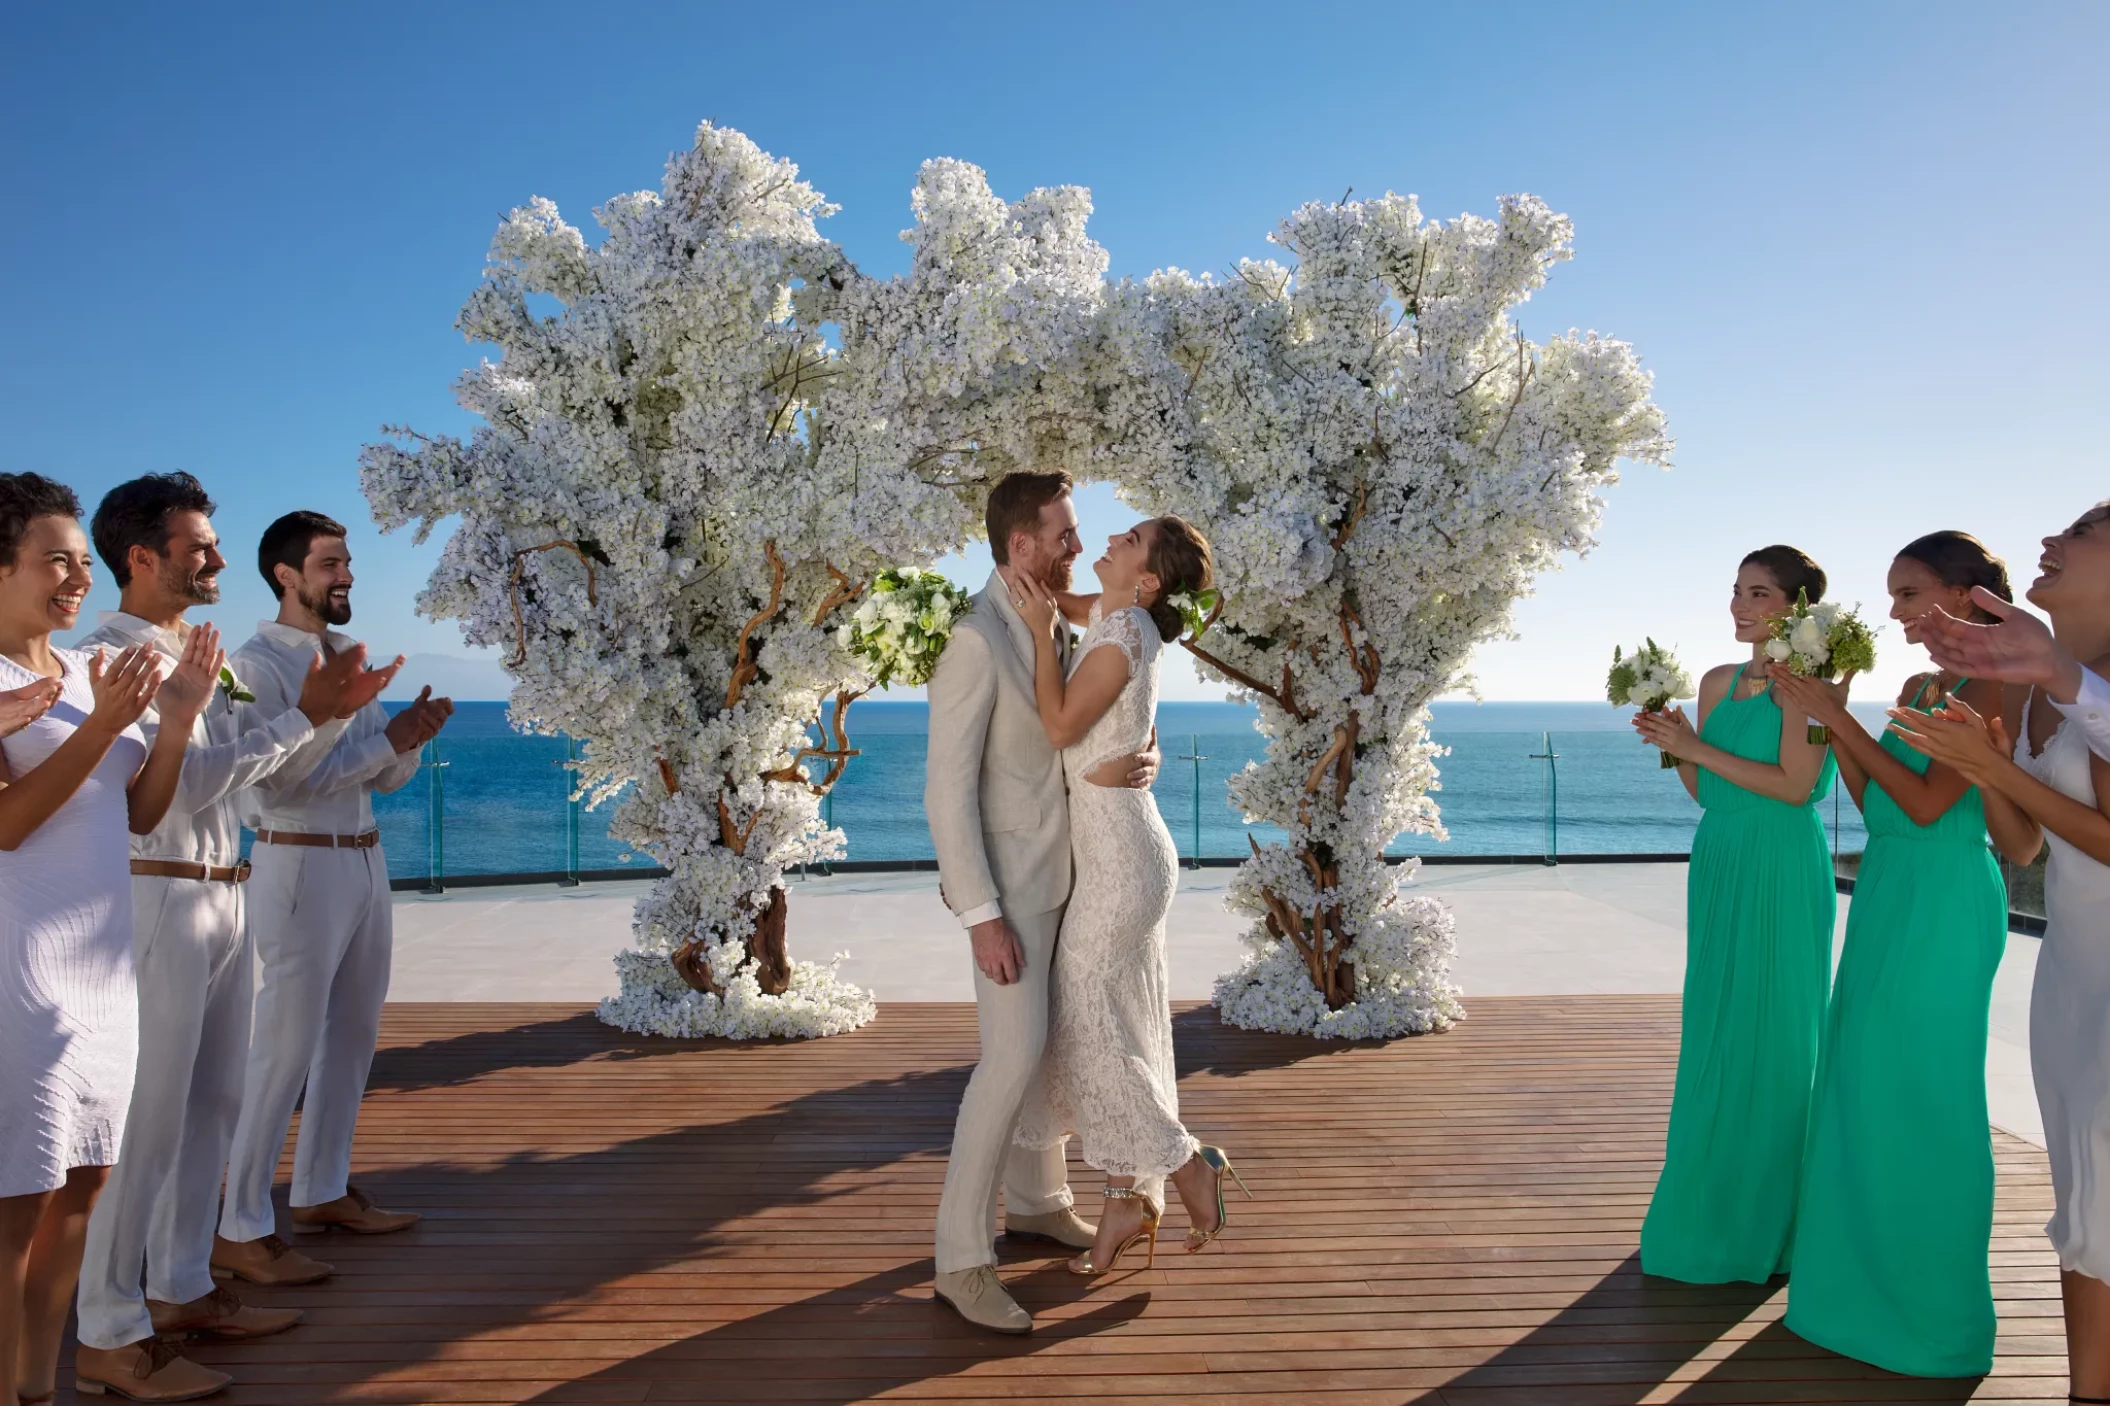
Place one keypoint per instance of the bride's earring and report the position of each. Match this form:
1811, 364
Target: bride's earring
1136, 597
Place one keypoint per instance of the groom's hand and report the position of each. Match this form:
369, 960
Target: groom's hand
1143, 766
997, 951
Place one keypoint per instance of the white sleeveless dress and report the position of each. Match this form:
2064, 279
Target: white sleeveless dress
69, 1006
1107, 1072
2069, 1018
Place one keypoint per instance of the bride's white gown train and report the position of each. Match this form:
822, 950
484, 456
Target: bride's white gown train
1107, 1072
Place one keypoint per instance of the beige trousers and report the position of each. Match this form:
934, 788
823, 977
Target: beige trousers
1014, 1026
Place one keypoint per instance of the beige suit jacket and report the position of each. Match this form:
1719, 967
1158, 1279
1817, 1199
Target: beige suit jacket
993, 787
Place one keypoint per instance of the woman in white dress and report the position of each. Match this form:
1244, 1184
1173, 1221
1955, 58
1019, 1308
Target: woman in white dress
1107, 1072
2048, 788
75, 776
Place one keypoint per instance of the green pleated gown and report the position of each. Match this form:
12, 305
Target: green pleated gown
1897, 1182
1759, 907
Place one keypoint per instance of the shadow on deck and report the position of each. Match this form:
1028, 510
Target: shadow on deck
1449, 1220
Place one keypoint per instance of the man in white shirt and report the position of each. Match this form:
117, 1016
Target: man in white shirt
325, 957
145, 1269
2020, 648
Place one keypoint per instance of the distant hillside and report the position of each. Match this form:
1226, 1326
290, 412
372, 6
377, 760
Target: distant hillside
453, 676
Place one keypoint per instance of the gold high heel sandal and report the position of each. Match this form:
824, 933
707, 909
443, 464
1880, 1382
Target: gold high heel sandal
1217, 1162
1082, 1264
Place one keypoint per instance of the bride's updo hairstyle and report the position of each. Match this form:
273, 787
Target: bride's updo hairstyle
1960, 560
1792, 568
1180, 559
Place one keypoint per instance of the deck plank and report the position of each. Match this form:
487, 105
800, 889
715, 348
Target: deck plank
1449, 1220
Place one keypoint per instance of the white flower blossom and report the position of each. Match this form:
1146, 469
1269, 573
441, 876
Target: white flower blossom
727, 427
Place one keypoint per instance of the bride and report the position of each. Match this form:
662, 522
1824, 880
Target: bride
1107, 1073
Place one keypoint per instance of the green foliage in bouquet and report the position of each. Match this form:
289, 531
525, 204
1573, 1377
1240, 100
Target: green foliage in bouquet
901, 629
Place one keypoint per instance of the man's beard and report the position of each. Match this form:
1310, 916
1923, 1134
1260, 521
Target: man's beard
1056, 574
332, 611
198, 588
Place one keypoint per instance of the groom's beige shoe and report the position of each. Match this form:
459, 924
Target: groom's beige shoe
978, 1296
1064, 1227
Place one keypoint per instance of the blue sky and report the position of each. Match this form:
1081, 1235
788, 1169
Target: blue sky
1860, 245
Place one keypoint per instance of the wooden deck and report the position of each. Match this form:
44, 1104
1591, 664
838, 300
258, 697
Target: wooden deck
1442, 1220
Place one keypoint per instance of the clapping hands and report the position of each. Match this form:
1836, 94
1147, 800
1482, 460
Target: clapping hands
340, 684
1669, 730
188, 688
420, 722
1820, 700
124, 687
1956, 735
19, 707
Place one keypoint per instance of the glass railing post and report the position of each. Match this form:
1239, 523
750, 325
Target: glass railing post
435, 828
571, 814
1194, 754
1553, 797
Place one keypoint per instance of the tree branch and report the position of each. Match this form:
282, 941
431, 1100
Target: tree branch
744, 666
513, 588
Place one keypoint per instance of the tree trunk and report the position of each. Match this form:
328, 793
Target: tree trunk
765, 948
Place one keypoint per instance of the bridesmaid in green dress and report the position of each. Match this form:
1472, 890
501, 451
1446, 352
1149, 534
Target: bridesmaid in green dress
1897, 1179
1758, 919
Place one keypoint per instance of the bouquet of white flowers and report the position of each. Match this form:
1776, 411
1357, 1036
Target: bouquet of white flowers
903, 624
1648, 679
1822, 642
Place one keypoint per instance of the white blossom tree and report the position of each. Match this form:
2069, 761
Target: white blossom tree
688, 474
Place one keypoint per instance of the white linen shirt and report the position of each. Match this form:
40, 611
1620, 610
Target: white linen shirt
2091, 709
334, 798
232, 746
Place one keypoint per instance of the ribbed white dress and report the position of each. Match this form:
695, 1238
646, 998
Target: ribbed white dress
69, 1007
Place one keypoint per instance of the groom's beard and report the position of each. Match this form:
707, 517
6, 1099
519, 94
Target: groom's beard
1056, 575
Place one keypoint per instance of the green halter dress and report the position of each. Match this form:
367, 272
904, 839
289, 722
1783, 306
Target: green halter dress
1759, 906
1897, 1183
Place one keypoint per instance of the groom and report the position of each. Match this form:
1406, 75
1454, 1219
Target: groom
999, 820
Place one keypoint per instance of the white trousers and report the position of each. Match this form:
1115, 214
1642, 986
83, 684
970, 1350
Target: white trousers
150, 1235
324, 933
1014, 1027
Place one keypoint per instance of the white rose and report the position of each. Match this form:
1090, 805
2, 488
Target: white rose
1808, 637
1778, 651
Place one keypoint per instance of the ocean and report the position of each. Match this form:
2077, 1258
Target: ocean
502, 807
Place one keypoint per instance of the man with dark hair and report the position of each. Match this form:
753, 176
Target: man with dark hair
999, 822
146, 1270
324, 928
286, 543
143, 513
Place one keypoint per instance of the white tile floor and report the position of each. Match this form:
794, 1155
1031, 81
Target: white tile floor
1522, 930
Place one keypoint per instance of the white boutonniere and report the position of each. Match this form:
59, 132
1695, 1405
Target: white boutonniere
234, 688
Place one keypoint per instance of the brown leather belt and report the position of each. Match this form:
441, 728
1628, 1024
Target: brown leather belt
187, 869
294, 837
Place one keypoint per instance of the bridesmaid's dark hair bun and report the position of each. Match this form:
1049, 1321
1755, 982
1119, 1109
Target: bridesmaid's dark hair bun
23, 499
1792, 568
1181, 560
1958, 559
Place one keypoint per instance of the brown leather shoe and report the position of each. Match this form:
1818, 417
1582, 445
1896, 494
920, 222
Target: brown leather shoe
269, 1260
149, 1370
220, 1314
354, 1211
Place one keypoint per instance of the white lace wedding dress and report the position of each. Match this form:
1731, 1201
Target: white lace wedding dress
2069, 1017
1107, 1073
